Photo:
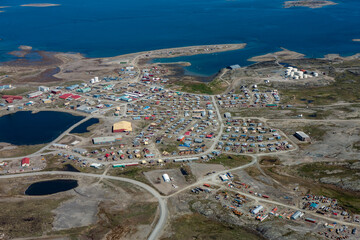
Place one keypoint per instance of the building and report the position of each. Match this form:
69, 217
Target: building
223, 177
257, 209
227, 115
80, 151
44, 89
235, 66
72, 87
103, 140
302, 136
58, 145
86, 109
96, 165
296, 215
5, 87
35, 94
166, 177
122, 126
55, 91
25, 162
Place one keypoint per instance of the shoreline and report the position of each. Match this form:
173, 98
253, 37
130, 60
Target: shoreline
284, 54
59, 67
184, 51
40, 5
309, 3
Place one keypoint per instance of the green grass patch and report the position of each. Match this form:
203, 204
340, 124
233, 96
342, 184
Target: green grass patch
231, 161
197, 88
169, 147
17, 91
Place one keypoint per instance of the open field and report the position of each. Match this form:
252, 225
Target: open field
345, 88
231, 161
196, 226
18, 151
27, 217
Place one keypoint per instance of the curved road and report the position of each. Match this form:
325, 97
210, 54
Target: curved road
155, 234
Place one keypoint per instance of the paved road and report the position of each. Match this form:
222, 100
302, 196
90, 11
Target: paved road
155, 234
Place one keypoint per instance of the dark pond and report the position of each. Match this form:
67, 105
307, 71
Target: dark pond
82, 128
26, 128
51, 187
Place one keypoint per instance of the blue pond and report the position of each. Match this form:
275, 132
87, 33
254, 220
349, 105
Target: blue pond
26, 128
113, 27
83, 128
51, 187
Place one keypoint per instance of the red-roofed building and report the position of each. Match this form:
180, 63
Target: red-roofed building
25, 162
55, 91
66, 96
75, 97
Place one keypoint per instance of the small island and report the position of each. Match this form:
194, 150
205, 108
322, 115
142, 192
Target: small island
356, 40
40, 5
308, 3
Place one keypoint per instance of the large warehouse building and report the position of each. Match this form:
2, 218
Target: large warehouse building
122, 126
302, 136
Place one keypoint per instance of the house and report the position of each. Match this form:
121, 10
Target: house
25, 162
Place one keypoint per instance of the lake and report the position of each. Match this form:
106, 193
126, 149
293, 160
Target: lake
83, 128
51, 187
26, 128
114, 27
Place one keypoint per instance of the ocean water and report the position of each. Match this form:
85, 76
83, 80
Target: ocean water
114, 27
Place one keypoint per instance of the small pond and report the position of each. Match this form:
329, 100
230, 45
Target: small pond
51, 187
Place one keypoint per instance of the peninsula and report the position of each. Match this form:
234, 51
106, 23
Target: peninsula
284, 54
308, 3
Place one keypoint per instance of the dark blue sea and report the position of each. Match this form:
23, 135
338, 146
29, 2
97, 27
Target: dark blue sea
26, 128
112, 27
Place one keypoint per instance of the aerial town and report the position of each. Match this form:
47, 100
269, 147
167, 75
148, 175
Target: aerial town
254, 152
